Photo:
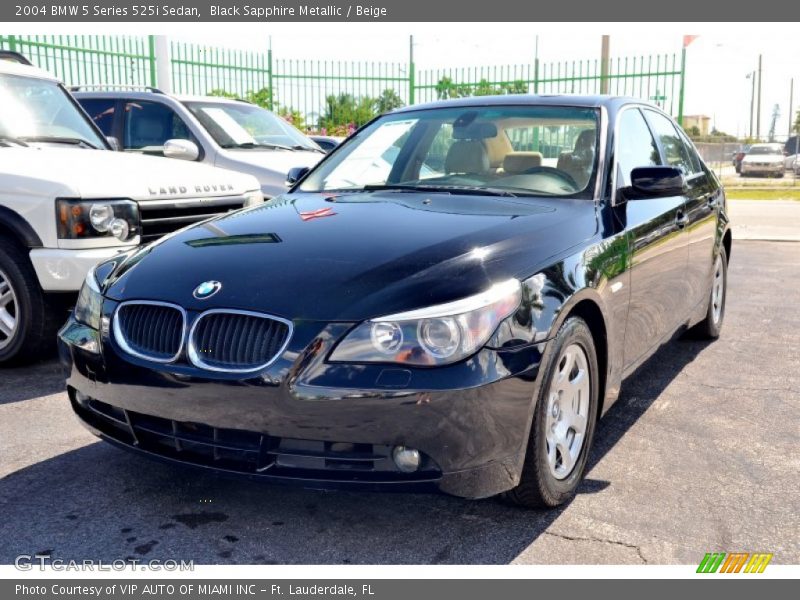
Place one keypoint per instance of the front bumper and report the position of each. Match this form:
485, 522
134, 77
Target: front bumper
63, 270
316, 424
750, 169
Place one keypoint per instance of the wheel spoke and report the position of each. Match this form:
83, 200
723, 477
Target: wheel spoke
566, 457
7, 323
5, 296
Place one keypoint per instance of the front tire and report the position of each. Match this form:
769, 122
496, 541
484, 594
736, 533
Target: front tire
710, 327
29, 319
563, 422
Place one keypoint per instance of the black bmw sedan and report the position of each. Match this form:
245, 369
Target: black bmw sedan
450, 300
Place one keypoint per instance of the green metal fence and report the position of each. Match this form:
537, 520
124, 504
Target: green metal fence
89, 59
322, 92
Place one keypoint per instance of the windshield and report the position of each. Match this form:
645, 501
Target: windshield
37, 110
507, 150
241, 125
766, 150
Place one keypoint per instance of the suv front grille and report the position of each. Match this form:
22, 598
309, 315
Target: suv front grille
227, 340
160, 217
151, 330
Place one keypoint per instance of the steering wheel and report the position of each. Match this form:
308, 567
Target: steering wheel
565, 177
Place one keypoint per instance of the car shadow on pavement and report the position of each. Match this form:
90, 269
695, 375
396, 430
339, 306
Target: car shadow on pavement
31, 381
97, 502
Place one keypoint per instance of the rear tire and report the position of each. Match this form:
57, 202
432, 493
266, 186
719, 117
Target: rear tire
710, 327
29, 319
564, 416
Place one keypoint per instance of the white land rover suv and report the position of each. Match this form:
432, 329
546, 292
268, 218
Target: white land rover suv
67, 201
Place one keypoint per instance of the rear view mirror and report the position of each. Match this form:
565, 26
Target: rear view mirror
656, 182
182, 149
296, 174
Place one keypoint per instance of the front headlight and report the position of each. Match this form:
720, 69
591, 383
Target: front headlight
253, 198
90, 302
82, 219
437, 335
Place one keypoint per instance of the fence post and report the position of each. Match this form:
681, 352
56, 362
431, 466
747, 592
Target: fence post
151, 42
412, 75
271, 100
12, 43
680, 91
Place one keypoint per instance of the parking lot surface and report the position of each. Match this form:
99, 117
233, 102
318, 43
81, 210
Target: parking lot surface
699, 454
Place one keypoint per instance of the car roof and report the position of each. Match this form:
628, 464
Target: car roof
10, 67
151, 94
588, 101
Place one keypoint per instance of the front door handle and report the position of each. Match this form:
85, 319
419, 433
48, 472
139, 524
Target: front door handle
681, 219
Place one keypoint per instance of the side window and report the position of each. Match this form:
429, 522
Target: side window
101, 111
148, 125
675, 151
694, 157
635, 146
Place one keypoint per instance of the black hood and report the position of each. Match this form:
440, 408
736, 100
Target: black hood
355, 256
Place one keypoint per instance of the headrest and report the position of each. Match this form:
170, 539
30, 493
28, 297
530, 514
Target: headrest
585, 140
474, 131
467, 156
519, 162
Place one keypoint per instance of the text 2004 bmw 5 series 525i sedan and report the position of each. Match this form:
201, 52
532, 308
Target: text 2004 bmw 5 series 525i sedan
449, 300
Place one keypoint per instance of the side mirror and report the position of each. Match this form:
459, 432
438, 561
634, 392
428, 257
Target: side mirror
114, 143
296, 174
182, 149
656, 182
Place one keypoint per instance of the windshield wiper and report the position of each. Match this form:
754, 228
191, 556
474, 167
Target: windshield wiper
270, 145
309, 148
445, 189
7, 139
55, 139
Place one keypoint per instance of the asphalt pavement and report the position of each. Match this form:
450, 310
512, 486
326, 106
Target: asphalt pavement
700, 454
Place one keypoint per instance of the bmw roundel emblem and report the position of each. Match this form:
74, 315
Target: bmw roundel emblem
206, 289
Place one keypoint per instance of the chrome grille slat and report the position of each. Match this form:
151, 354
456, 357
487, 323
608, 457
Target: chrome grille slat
237, 341
150, 330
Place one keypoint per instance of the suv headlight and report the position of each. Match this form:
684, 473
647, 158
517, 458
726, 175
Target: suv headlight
90, 302
82, 219
437, 335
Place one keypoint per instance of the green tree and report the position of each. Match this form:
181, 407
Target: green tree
220, 93
388, 101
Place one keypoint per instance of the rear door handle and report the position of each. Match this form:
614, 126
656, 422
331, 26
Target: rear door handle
681, 219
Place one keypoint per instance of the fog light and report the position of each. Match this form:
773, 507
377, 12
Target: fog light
406, 459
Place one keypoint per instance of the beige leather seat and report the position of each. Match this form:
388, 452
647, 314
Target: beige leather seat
518, 162
468, 157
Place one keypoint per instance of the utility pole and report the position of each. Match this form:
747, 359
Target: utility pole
758, 108
752, 77
163, 63
791, 105
604, 60
412, 72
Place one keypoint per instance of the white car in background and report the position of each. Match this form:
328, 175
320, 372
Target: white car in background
67, 202
763, 159
223, 132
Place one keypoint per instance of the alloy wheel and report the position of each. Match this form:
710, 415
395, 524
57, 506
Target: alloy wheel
718, 290
568, 411
9, 317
